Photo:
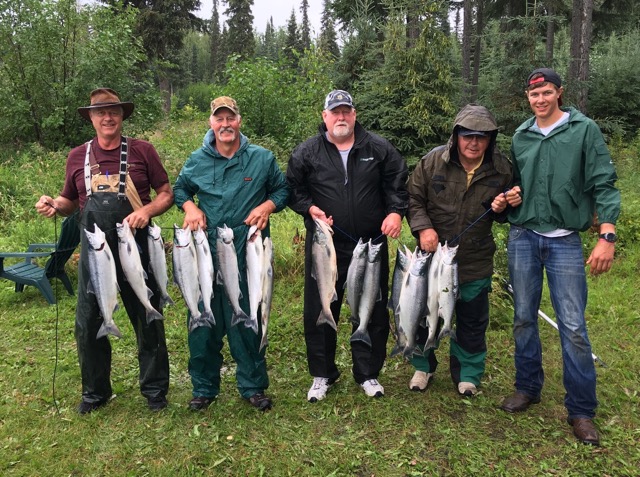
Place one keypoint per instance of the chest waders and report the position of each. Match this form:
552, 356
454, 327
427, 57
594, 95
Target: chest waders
108, 203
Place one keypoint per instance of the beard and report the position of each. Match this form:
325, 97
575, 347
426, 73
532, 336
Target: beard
342, 130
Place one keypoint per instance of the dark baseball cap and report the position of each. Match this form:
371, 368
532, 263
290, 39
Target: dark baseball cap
336, 98
462, 131
544, 75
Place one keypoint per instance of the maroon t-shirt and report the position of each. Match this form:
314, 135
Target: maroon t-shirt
145, 169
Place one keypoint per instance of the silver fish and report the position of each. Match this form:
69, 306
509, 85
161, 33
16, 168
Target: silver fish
403, 259
205, 273
412, 303
324, 270
133, 271
432, 304
448, 290
185, 274
370, 293
355, 278
158, 263
255, 272
228, 273
267, 289
103, 281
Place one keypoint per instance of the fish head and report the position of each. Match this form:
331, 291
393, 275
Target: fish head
420, 263
199, 235
322, 233
361, 249
97, 239
182, 237
225, 234
124, 231
254, 233
373, 254
155, 231
403, 259
449, 253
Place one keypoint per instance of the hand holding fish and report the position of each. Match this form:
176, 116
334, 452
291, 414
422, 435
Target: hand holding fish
392, 225
318, 213
428, 240
138, 219
193, 217
260, 215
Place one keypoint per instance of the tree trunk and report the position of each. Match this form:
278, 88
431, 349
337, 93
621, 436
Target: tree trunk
165, 91
580, 46
476, 51
551, 35
466, 49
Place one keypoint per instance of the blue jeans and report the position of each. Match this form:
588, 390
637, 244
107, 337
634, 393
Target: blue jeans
529, 254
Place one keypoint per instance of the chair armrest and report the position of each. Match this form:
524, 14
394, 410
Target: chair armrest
24, 254
35, 246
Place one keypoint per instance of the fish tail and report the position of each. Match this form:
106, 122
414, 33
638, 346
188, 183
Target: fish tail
326, 318
239, 316
166, 300
362, 335
444, 333
153, 314
108, 330
198, 322
431, 342
253, 324
207, 316
264, 342
397, 349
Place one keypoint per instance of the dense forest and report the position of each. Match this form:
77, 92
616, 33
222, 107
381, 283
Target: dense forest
410, 64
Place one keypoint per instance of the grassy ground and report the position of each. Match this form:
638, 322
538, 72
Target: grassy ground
348, 434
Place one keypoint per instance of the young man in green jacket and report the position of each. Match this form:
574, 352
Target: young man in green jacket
565, 173
237, 184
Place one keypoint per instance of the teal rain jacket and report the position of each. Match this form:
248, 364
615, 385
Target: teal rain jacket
564, 176
229, 189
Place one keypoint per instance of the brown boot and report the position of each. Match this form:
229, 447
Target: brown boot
584, 430
518, 402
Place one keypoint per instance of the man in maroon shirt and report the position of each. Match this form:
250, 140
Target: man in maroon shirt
109, 178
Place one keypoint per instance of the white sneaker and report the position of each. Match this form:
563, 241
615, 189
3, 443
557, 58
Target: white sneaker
467, 389
372, 388
420, 381
318, 390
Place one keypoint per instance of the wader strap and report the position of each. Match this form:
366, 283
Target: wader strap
90, 162
124, 150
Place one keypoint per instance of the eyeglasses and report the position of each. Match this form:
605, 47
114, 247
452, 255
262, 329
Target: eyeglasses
101, 113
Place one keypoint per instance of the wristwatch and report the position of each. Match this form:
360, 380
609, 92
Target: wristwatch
609, 237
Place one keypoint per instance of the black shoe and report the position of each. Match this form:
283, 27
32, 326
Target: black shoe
85, 407
260, 401
157, 403
200, 403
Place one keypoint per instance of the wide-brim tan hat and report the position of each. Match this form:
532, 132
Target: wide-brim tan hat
105, 98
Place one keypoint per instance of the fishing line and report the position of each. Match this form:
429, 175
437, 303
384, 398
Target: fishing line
456, 238
55, 266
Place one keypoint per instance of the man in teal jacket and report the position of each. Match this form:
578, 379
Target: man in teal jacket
565, 174
238, 184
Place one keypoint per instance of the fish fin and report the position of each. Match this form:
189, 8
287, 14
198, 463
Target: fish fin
219, 278
166, 300
431, 343
149, 293
144, 274
379, 295
397, 349
444, 333
116, 307
252, 324
362, 335
326, 319
335, 296
152, 315
239, 317
108, 330
90, 288
264, 342
197, 323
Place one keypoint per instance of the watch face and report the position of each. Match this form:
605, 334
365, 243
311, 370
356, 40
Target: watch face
609, 237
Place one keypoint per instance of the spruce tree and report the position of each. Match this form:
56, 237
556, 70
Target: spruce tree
240, 38
328, 39
305, 29
215, 47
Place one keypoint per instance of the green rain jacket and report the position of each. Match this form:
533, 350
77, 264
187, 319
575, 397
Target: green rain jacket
564, 176
439, 197
229, 189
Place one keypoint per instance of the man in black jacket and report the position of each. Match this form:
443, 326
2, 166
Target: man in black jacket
353, 180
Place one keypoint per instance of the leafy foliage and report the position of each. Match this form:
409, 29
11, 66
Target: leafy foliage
53, 56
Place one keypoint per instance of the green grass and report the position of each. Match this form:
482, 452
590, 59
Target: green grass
348, 434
